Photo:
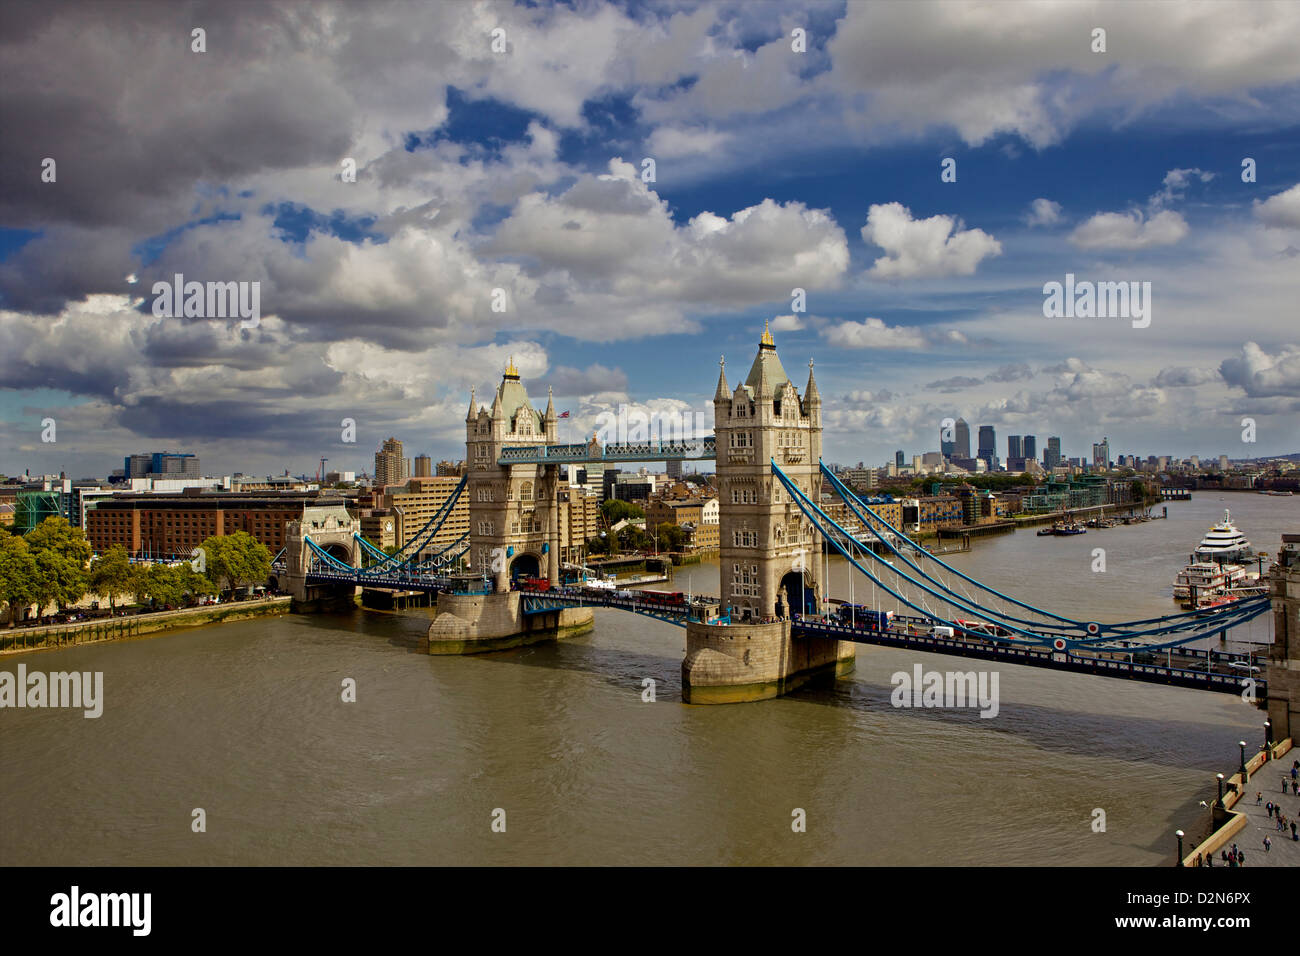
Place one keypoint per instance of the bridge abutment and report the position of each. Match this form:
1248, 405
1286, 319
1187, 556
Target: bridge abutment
738, 663
478, 623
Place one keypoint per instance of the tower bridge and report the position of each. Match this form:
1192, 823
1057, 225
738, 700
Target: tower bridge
775, 624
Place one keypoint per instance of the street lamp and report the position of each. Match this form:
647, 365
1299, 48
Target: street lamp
1268, 735
1242, 743
1179, 834
1220, 779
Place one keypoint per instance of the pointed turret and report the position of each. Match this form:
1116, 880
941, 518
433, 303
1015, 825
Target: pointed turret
723, 394
763, 386
471, 414
810, 394
550, 404
497, 411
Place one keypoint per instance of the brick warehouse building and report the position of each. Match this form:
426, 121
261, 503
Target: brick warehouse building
177, 524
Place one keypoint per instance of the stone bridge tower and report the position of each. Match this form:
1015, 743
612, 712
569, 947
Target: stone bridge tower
513, 509
769, 552
768, 549
1284, 653
332, 527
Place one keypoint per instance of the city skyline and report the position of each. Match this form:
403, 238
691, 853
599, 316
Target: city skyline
616, 227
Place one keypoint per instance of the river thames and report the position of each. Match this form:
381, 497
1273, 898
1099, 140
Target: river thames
245, 720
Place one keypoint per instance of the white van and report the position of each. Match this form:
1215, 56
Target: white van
937, 631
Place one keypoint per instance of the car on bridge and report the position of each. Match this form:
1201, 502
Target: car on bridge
980, 630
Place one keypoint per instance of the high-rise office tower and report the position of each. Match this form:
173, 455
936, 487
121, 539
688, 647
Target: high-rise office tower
423, 466
1029, 447
1052, 457
963, 439
988, 448
1014, 447
898, 458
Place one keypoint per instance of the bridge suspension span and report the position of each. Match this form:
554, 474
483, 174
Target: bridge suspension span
942, 594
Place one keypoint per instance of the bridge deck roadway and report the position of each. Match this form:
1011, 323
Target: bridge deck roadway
1033, 657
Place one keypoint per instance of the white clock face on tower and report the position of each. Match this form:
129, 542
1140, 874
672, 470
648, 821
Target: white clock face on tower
388, 526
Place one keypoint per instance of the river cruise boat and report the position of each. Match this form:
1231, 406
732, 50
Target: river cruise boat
1207, 578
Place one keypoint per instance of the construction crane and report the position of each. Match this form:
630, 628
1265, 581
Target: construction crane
320, 475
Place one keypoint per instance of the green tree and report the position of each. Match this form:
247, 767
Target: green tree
164, 584
111, 574
614, 511
17, 574
61, 553
194, 584
232, 561
672, 537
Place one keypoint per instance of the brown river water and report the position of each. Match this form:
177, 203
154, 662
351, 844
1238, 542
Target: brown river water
245, 720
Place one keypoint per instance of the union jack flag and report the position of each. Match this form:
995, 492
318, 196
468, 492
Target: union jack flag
564, 414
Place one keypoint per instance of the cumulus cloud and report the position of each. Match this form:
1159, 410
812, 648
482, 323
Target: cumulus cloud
1281, 210
1117, 230
612, 234
873, 334
787, 323
1175, 184
1043, 212
1262, 375
973, 67
668, 142
916, 248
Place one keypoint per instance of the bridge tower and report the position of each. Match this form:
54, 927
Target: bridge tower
514, 521
332, 527
514, 529
769, 552
1284, 653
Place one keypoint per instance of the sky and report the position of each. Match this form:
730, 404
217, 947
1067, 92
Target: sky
921, 170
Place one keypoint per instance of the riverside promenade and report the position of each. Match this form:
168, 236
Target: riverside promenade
1250, 839
21, 640
1246, 823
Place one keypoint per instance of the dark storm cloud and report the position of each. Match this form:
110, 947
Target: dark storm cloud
134, 119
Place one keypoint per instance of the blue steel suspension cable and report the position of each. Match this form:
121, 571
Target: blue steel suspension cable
805, 504
853, 502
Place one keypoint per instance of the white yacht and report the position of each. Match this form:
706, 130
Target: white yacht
1218, 565
1224, 543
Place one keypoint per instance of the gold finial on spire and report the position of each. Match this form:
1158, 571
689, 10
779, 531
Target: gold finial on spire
767, 336
511, 371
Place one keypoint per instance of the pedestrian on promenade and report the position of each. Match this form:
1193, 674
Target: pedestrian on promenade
1270, 809
1259, 797
1293, 833
1294, 773
1267, 843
